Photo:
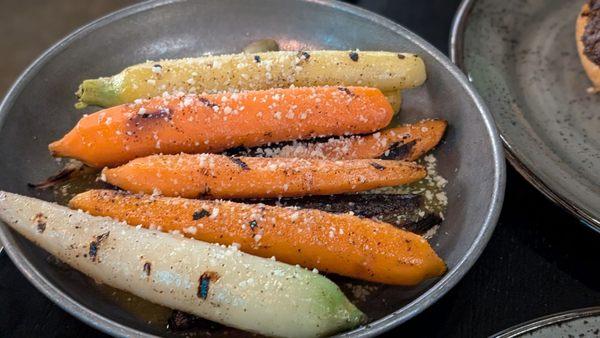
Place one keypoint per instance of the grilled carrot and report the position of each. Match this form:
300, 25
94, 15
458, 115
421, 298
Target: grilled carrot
218, 176
342, 244
216, 122
407, 142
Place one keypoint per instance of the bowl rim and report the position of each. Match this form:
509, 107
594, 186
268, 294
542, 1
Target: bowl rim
456, 48
427, 298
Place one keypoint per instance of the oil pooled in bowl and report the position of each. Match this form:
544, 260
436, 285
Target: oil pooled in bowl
365, 295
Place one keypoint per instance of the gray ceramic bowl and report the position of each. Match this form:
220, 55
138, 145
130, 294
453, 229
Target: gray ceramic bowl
39, 109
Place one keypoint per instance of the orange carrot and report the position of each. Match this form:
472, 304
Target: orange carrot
407, 142
218, 176
342, 244
216, 122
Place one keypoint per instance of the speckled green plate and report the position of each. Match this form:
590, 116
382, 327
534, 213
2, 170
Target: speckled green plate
575, 323
522, 58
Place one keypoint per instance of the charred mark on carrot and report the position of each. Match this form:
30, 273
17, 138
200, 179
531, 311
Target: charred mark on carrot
204, 283
40, 222
207, 102
240, 163
302, 55
253, 224
147, 268
95, 245
161, 113
200, 214
399, 151
347, 91
377, 166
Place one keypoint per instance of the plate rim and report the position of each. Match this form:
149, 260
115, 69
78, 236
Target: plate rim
544, 321
401, 315
456, 45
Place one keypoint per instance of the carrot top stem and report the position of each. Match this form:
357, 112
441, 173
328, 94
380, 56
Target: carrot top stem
97, 92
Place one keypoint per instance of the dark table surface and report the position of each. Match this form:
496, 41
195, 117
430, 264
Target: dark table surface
540, 259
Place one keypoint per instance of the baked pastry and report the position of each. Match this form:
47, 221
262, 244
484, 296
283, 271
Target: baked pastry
587, 34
